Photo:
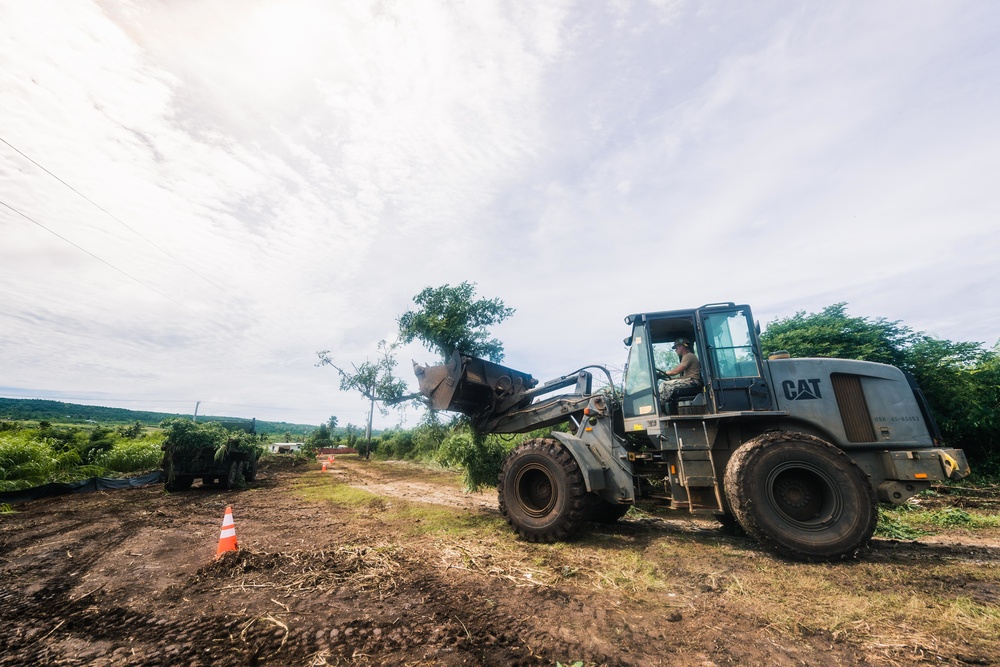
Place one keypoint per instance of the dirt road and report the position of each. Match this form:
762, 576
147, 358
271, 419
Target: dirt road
374, 564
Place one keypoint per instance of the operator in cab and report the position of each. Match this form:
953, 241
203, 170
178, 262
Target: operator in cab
685, 375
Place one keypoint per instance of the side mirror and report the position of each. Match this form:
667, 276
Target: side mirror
627, 341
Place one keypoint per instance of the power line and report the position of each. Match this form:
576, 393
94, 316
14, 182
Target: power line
134, 231
109, 264
123, 224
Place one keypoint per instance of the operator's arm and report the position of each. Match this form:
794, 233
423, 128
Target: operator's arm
681, 367
676, 370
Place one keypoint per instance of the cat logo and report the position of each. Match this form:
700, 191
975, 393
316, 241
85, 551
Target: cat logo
805, 390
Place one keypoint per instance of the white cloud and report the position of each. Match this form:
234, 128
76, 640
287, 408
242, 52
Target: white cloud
302, 169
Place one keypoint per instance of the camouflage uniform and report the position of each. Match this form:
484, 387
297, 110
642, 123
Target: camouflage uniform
670, 387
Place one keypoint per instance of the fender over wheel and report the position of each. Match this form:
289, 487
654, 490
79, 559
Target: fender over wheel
801, 495
541, 491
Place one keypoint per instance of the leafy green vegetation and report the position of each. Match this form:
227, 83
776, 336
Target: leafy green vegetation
910, 521
32, 456
194, 439
894, 526
450, 319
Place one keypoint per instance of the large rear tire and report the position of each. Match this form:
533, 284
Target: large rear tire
250, 472
234, 475
802, 496
541, 491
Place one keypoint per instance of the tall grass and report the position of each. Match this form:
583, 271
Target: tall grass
25, 461
132, 455
32, 457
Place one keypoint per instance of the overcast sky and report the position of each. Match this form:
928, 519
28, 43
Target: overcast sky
197, 196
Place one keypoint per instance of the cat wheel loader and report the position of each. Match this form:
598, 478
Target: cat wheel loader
796, 451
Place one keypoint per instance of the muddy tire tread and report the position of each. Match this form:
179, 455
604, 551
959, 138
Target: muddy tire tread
575, 510
741, 487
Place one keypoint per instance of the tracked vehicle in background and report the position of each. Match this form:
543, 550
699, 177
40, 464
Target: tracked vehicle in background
798, 452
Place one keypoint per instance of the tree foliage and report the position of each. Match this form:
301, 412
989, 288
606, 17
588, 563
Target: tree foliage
960, 379
832, 333
451, 318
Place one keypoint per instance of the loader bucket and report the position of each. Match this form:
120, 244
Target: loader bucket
472, 386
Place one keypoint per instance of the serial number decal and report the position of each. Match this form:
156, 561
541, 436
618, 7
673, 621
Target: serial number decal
898, 419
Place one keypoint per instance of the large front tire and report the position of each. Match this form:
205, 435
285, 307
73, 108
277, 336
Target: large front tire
541, 491
802, 496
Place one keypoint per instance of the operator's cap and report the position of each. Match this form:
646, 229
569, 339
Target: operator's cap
682, 341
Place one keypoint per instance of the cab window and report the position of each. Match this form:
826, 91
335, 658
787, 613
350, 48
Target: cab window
639, 399
731, 345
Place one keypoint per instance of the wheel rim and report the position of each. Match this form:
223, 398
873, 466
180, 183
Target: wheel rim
536, 493
804, 496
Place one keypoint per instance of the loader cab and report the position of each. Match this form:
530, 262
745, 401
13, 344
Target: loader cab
723, 337
651, 349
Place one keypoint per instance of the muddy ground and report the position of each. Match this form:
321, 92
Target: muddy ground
381, 564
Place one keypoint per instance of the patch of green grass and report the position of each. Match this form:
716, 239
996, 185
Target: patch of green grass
907, 522
315, 488
417, 518
954, 516
425, 519
893, 526
7, 508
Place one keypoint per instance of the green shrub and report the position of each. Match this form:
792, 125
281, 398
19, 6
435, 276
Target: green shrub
480, 456
128, 456
25, 461
395, 445
951, 517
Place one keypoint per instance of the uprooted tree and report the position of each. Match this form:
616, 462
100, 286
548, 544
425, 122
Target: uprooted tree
451, 318
448, 320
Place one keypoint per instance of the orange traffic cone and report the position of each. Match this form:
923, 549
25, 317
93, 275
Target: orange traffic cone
324, 467
227, 538
331, 459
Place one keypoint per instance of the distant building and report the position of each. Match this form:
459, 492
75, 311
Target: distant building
284, 447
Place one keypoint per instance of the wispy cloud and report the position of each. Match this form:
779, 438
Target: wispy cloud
292, 174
